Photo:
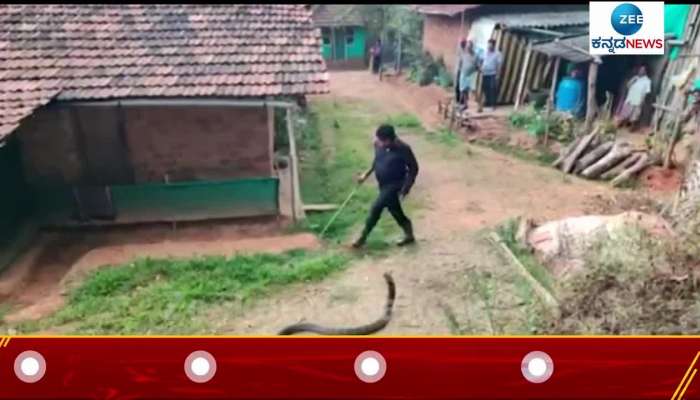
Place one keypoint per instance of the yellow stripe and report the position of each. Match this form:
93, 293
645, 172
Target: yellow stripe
8, 341
687, 384
2, 342
685, 376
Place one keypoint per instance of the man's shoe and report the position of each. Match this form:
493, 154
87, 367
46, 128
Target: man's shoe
406, 241
358, 244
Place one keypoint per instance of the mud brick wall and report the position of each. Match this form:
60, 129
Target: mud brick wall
197, 143
441, 37
184, 142
50, 154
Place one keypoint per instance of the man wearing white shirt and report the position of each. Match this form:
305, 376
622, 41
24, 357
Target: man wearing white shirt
638, 89
491, 63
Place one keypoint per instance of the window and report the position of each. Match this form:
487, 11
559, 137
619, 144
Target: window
349, 35
326, 35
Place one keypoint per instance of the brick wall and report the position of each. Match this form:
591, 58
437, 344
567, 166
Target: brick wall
197, 143
49, 150
187, 143
441, 36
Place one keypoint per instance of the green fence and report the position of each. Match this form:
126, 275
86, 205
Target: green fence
182, 201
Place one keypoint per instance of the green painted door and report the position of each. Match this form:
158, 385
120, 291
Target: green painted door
339, 41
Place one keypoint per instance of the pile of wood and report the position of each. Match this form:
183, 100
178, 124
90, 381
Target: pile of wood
594, 157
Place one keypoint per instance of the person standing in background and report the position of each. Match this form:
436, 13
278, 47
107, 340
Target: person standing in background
638, 89
376, 54
490, 68
468, 66
460, 50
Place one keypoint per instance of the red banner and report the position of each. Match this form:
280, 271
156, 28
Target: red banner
349, 368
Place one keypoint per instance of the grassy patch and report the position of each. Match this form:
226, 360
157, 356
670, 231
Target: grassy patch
151, 296
404, 120
540, 156
507, 232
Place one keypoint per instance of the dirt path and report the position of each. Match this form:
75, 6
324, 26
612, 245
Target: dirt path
453, 281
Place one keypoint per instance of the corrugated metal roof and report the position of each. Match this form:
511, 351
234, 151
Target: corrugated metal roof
541, 20
443, 9
567, 49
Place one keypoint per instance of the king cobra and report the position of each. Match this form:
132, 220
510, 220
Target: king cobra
368, 329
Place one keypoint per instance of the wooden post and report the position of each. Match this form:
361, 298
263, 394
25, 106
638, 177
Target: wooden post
555, 75
590, 104
297, 206
398, 55
550, 99
523, 73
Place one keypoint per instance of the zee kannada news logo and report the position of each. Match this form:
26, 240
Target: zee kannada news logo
627, 20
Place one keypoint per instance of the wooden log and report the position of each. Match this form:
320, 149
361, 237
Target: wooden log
593, 156
580, 148
644, 161
626, 163
619, 152
566, 151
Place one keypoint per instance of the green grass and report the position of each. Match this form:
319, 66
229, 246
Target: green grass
151, 296
507, 232
404, 120
540, 156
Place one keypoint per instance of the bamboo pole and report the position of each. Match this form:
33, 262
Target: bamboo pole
550, 100
591, 104
523, 73
297, 209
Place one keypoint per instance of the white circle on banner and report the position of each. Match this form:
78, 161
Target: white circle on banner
537, 367
200, 366
370, 366
30, 366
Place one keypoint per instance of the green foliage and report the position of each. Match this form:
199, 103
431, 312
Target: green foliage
541, 156
507, 232
425, 71
404, 120
150, 296
536, 123
388, 21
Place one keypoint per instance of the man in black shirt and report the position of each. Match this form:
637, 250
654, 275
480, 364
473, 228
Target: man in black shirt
396, 169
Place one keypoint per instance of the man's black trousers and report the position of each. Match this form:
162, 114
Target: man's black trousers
490, 90
388, 198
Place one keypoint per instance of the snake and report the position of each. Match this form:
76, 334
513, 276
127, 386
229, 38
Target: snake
367, 329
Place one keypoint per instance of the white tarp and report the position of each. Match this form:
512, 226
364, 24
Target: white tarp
481, 31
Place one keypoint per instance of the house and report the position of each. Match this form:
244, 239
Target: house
344, 34
513, 26
149, 113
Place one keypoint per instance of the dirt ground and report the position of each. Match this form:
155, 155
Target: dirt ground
453, 281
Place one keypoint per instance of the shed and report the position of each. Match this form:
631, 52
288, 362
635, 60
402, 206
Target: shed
513, 27
343, 33
149, 113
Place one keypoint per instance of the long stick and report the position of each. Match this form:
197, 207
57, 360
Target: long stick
340, 209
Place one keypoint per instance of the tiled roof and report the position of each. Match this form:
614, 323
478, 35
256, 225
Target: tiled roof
337, 15
443, 9
82, 52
